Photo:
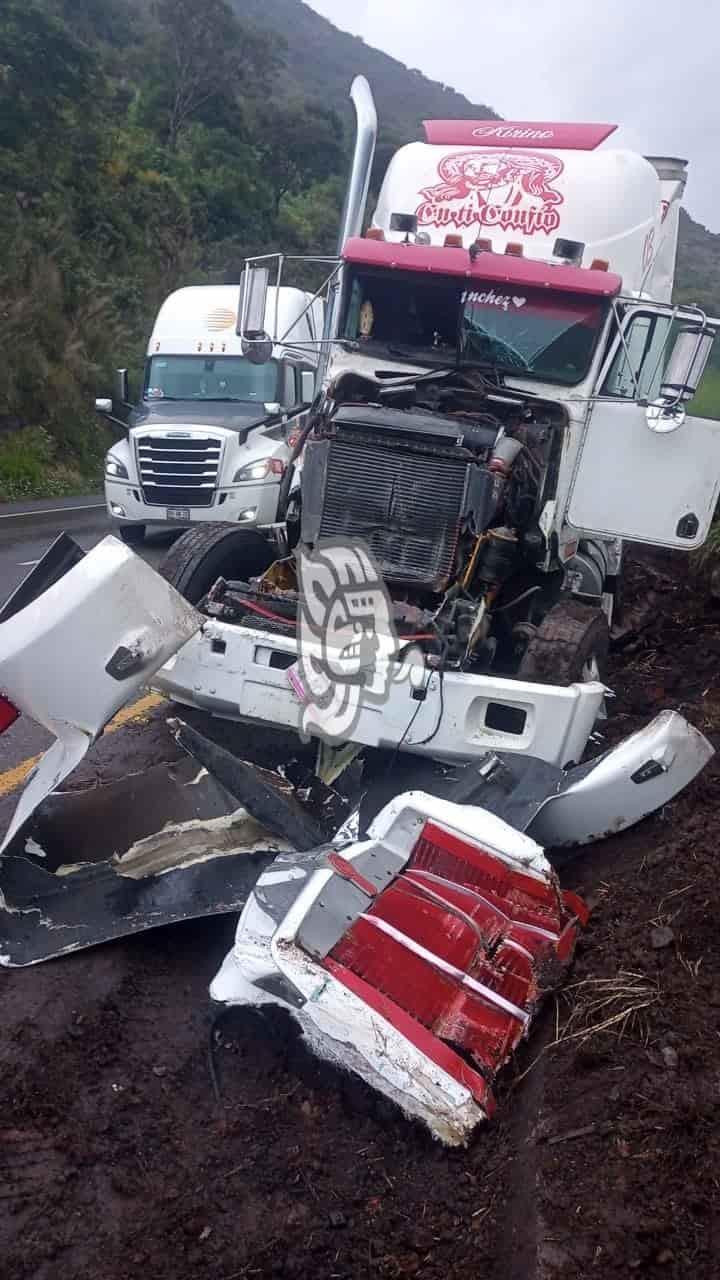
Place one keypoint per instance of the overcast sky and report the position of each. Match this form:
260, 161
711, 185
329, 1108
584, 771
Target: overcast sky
652, 66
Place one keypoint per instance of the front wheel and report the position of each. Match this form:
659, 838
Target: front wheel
210, 551
570, 646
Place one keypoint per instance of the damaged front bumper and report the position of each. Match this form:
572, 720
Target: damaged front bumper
239, 673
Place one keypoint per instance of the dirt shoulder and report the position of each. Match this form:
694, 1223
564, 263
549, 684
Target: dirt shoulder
117, 1161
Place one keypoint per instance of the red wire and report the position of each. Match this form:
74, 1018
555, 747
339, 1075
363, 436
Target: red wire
286, 622
265, 613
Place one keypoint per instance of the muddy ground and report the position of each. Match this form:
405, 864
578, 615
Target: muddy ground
117, 1161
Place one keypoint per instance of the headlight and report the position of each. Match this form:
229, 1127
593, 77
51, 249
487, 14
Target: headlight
262, 469
115, 468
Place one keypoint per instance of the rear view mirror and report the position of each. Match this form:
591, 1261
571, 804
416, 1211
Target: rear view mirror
103, 405
307, 386
253, 302
687, 362
255, 342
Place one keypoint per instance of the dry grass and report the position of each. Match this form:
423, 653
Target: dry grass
615, 1006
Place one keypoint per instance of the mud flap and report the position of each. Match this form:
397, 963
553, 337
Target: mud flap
156, 848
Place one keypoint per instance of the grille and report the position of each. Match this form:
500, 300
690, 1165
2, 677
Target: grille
178, 472
405, 505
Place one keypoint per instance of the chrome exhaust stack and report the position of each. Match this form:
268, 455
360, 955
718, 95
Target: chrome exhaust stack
362, 162
354, 207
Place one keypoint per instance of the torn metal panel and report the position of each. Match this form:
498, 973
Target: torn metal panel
74, 655
565, 807
156, 848
416, 958
630, 781
263, 792
61, 556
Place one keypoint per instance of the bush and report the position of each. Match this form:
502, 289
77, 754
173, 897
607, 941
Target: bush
29, 468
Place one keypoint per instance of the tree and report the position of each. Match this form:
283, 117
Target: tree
204, 58
44, 73
299, 144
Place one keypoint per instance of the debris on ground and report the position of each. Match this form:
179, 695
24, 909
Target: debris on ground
115, 1183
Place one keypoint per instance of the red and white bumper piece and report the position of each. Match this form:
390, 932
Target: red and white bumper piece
416, 958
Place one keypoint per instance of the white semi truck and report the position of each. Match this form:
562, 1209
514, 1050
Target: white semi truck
507, 391
208, 439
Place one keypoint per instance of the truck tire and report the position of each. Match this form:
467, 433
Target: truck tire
570, 645
211, 551
132, 534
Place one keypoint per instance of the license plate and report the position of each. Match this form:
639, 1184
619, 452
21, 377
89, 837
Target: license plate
181, 514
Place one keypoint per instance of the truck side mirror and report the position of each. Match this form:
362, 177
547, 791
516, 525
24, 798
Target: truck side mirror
681, 378
103, 405
256, 344
121, 386
687, 362
307, 386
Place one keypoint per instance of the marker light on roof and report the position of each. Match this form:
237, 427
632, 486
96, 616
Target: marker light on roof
599, 264
374, 233
514, 249
482, 246
453, 242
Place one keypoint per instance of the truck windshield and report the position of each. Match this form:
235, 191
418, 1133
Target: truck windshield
531, 333
231, 378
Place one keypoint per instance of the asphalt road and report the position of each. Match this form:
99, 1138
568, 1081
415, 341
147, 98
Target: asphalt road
26, 532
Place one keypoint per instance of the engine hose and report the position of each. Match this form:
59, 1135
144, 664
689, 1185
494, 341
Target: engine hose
531, 591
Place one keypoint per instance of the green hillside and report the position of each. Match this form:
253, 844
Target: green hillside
148, 143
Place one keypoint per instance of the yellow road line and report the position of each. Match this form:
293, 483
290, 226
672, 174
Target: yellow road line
140, 710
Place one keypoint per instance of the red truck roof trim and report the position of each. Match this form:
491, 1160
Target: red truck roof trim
496, 267
517, 133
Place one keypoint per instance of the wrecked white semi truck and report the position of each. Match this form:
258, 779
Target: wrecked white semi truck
208, 439
503, 399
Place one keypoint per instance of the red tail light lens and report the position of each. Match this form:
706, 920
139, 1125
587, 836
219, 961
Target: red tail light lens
8, 713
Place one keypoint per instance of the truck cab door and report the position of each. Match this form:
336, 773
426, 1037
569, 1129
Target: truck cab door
647, 473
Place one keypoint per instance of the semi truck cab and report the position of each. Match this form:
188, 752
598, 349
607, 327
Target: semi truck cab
208, 438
